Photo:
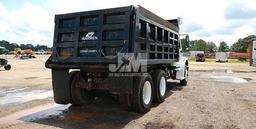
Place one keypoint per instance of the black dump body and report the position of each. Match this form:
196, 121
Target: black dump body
94, 38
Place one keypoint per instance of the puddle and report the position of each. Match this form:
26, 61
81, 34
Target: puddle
68, 116
18, 96
58, 111
32, 114
3, 92
229, 79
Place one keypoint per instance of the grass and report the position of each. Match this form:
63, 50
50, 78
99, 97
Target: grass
213, 60
236, 61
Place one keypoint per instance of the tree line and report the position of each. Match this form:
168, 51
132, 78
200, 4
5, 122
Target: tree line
242, 45
11, 46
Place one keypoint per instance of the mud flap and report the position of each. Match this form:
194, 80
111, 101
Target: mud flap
61, 88
120, 84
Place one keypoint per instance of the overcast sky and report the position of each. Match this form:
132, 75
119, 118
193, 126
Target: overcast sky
32, 21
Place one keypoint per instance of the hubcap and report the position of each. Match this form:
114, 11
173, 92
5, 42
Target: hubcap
146, 93
162, 86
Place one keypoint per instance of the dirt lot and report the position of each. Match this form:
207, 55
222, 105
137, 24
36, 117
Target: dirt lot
218, 96
26, 73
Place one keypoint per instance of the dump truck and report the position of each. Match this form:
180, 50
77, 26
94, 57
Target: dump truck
126, 52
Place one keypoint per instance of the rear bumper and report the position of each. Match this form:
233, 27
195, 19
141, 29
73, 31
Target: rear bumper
98, 65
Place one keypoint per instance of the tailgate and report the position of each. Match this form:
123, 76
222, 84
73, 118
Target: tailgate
93, 36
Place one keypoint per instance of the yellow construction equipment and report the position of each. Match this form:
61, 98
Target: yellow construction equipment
17, 52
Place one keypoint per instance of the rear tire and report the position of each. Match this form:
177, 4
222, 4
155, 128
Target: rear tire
80, 96
7, 67
185, 81
142, 93
159, 81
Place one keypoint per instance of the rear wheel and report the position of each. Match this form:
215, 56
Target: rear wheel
80, 96
7, 67
185, 80
142, 93
159, 81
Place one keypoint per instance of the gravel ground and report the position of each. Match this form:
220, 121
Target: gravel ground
206, 103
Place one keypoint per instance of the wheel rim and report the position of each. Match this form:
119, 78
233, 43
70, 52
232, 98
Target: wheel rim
162, 86
146, 93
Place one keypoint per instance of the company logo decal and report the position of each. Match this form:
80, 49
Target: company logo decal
89, 36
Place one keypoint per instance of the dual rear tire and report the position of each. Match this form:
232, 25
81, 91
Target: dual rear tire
146, 90
142, 96
159, 80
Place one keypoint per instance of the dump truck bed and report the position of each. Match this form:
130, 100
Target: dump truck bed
96, 37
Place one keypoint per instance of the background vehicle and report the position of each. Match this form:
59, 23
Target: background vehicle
17, 52
4, 61
128, 52
26, 54
200, 57
221, 56
23, 54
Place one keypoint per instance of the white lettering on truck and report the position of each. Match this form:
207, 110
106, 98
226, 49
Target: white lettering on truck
89, 36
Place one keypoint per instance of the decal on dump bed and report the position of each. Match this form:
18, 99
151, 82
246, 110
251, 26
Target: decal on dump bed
88, 36
88, 51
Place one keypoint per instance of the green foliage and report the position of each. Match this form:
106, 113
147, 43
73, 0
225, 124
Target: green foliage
223, 47
212, 47
11, 46
7, 45
243, 43
183, 44
199, 45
